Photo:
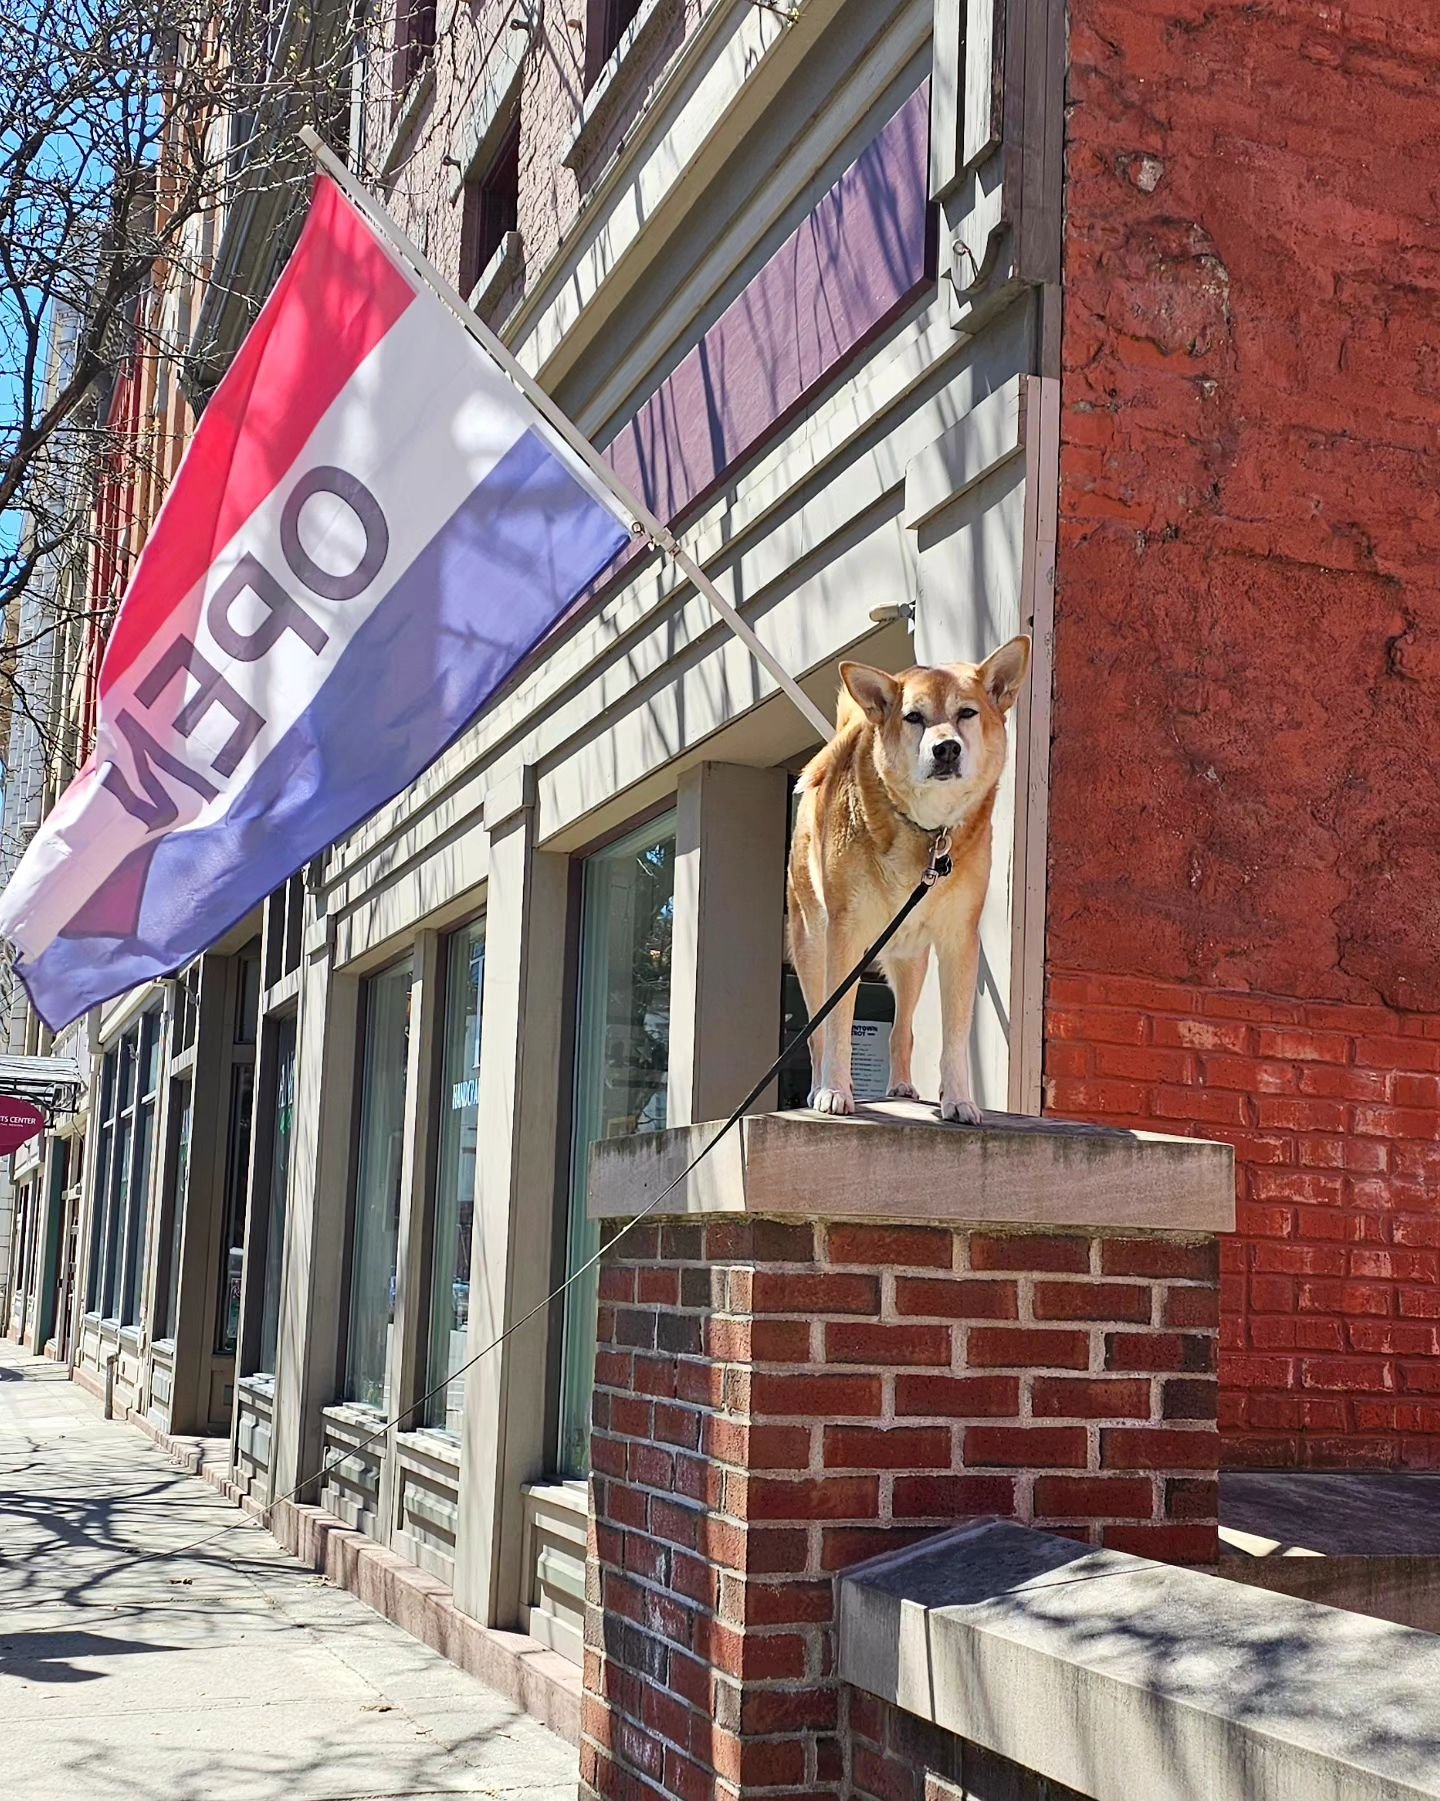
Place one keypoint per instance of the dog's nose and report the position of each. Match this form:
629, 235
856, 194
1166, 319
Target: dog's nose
946, 752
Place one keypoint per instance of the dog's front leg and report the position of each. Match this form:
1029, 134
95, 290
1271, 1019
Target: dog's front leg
959, 958
907, 977
834, 1092
807, 951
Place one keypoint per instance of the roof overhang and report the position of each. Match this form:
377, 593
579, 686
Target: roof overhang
54, 1084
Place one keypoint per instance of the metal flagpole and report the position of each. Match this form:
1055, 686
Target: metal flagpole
659, 534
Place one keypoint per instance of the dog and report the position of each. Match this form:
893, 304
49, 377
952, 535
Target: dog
912, 755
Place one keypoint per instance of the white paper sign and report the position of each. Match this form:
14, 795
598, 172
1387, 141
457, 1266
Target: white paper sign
870, 1058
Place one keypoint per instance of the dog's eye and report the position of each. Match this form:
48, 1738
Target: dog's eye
914, 718
967, 713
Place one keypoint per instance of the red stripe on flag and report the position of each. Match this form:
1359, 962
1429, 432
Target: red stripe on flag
338, 296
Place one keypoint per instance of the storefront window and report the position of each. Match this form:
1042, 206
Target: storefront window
622, 1058
127, 1124
22, 1252
455, 1175
244, 979
279, 1192
183, 1100
377, 1187
187, 1010
102, 1182
237, 1175
137, 1220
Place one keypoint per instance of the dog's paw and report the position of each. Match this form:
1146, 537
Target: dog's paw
833, 1100
963, 1113
902, 1091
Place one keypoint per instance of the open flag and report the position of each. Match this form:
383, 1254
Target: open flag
370, 530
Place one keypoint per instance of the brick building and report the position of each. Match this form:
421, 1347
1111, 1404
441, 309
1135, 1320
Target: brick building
1244, 829
925, 324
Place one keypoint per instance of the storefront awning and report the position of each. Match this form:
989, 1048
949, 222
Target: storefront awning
52, 1083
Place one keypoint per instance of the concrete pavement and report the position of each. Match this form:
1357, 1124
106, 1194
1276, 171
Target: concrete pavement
227, 1672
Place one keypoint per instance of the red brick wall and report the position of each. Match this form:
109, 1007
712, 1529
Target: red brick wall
776, 1402
1330, 1286
1247, 647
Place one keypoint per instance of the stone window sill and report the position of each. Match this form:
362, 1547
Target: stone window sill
507, 260
602, 102
352, 1416
571, 1495
433, 1442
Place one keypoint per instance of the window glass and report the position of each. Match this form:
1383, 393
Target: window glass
187, 1010
237, 1175
490, 207
149, 1053
184, 1103
97, 1229
607, 21
377, 1187
116, 1201
622, 1058
279, 1192
137, 1214
247, 994
20, 1253
455, 1174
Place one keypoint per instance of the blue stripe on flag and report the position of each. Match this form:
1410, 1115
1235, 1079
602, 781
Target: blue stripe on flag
486, 589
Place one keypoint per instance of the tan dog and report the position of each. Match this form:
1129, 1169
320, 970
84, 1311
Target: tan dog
911, 754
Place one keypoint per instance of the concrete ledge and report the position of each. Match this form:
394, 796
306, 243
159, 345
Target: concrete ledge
1365, 1541
896, 1158
1119, 1677
1332, 1513
1403, 1589
535, 1678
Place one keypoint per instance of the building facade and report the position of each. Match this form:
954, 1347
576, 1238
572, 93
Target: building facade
1246, 575
849, 295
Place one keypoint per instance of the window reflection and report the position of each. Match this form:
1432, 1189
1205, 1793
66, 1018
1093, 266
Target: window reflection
622, 1064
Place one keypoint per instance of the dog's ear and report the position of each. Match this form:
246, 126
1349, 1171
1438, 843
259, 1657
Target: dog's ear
871, 689
1003, 672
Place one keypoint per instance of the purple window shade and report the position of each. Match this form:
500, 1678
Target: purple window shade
857, 261
836, 281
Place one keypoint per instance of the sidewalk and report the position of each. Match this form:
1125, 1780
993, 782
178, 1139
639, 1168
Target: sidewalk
231, 1672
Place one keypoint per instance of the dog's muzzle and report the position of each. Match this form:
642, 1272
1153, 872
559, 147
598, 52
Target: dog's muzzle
945, 758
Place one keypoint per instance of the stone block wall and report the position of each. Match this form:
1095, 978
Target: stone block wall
779, 1400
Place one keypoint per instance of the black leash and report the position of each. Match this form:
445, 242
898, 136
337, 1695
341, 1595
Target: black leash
936, 869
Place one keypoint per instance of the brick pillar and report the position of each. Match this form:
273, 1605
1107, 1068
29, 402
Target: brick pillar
778, 1398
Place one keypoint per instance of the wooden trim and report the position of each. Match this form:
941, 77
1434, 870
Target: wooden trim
1041, 429
947, 97
984, 91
